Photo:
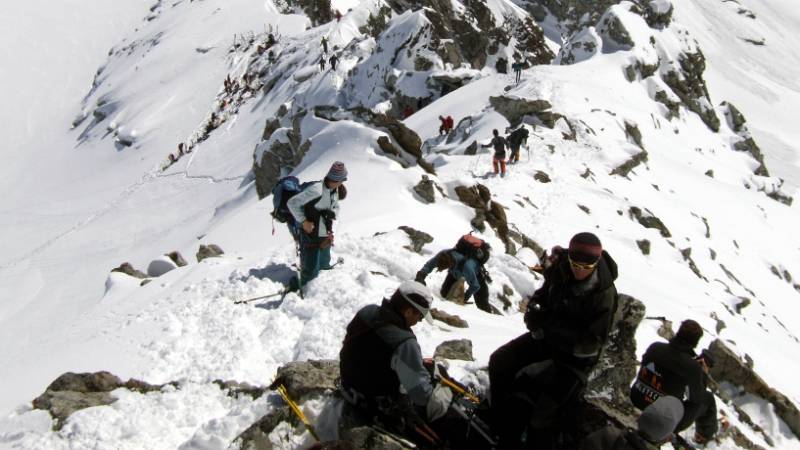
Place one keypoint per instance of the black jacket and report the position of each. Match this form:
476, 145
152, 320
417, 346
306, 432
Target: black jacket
670, 369
365, 359
610, 438
575, 317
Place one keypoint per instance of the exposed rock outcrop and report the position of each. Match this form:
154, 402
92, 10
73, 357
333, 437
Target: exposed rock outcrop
648, 220
730, 368
72, 392
450, 319
486, 210
127, 268
209, 251
458, 349
514, 109
418, 239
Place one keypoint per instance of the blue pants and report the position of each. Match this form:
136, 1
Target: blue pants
315, 255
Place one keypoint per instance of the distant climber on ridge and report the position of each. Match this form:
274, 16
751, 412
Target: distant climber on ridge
539, 377
517, 67
499, 159
674, 369
515, 140
316, 207
324, 45
465, 261
333, 60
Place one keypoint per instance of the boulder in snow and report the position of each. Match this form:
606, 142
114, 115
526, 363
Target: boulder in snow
450, 319
418, 238
460, 349
128, 269
177, 258
209, 251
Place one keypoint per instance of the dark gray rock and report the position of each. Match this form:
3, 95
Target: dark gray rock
648, 220
128, 269
209, 251
426, 190
644, 246
633, 133
306, 378
256, 437
515, 108
688, 84
673, 107
177, 258
615, 36
457, 349
541, 177
280, 157
450, 319
418, 238
72, 392
657, 18
625, 168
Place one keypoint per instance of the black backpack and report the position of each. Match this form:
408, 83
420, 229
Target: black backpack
518, 136
473, 247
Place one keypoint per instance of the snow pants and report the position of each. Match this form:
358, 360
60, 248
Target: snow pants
501, 162
315, 255
530, 389
481, 296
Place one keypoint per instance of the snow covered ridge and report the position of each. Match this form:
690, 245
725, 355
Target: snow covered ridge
627, 140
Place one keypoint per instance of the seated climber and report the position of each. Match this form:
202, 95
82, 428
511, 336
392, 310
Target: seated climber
384, 379
674, 369
539, 376
653, 428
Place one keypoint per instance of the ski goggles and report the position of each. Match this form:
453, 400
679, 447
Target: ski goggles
581, 265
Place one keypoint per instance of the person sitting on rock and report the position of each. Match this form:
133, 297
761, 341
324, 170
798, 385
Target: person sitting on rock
539, 376
654, 427
316, 207
460, 266
674, 369
384, 378
499, 144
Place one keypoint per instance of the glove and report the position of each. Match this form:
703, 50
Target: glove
439, 402
420, 278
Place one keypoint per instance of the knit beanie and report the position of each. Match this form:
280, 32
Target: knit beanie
689, 333
659, 419
585, 248
337, 172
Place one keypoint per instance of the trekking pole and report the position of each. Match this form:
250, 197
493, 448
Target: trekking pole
299, 268
239, 302
297, 411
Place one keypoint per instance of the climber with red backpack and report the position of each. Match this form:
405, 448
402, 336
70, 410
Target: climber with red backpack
465, 261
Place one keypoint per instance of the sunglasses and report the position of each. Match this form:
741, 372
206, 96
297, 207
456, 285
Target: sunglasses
582, 266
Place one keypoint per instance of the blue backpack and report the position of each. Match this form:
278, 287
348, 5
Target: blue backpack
286, 188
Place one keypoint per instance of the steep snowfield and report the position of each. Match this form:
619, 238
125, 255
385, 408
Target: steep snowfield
81, 203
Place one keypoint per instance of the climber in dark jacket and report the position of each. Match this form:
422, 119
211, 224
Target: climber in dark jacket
499, 144
654, 427
541, 374
674, 369
459, 266
383, 376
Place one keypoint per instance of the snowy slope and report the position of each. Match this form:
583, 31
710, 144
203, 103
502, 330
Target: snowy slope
96, 202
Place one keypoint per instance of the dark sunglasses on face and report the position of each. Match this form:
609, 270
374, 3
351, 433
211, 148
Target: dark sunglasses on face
582, 266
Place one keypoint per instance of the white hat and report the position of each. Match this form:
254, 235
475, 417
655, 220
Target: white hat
419, 296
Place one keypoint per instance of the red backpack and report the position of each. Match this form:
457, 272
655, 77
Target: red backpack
473, 247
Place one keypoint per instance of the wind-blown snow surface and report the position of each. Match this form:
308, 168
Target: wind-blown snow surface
94, 203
